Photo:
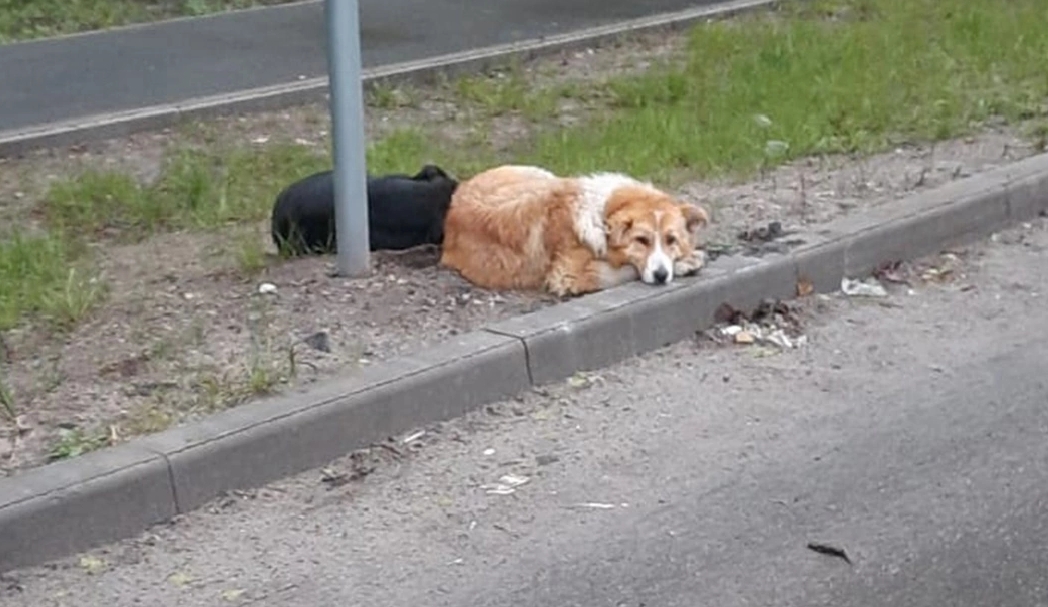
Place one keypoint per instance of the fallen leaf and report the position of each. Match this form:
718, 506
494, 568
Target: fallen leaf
232, 595
805, 288
744, 337
180, 578
92, 565
578, 381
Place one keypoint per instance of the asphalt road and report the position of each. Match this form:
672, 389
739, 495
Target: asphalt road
74, 77
911, 432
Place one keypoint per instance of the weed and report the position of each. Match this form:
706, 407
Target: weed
73, 442
250, 254
387, 97
44, 275
77, 297
7, 399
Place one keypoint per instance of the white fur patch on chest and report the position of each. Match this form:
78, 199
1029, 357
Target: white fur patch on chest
594, 192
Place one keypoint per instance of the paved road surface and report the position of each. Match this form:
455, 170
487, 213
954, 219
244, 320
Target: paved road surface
911, 432
47, 81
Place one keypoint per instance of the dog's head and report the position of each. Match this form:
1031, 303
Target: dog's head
651, 230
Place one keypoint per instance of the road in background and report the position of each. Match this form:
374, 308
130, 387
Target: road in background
129, 68
911, 431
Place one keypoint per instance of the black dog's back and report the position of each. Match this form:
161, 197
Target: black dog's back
403, 211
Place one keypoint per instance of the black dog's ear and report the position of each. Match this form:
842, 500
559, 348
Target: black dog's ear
430, 172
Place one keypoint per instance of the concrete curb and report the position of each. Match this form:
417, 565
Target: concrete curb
71, 506
121, 124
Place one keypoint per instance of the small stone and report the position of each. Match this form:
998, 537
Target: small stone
267, 288
545, 460
319, 341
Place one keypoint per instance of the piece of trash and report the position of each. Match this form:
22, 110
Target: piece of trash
762, 120
744, 337
507, 484
267, 288
260, 140
805, 288
489, 451
594, 506
862, 288
731, 330
829, 551
413, 437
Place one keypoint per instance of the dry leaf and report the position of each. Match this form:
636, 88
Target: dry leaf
805, 288
744, 337
232, 595
180, 578
92, 565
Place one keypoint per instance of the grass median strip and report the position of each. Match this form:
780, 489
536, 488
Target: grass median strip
729, 100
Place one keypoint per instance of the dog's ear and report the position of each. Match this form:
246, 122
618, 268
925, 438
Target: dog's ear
695, 218
430, 172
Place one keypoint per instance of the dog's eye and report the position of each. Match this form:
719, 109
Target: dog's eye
643, 241
671, 240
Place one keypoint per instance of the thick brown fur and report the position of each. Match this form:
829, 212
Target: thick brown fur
518, 227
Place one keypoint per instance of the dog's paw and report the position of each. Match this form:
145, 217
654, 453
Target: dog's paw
690, 265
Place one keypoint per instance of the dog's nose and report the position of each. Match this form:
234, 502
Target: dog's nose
660, 276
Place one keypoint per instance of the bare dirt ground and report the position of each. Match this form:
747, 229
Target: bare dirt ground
182, 333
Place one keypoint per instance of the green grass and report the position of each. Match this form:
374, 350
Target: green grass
27, 19
819, 77
763, 90
45, 275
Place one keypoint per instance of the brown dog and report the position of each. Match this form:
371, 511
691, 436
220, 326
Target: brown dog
522, 227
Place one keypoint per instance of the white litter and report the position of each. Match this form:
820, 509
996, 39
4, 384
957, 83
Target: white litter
507, 484
414, 437
863, 288
267, 288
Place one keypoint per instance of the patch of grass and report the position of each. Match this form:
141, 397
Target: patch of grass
45, 275
202, 189
73, 442
197, 189
26, 19
800, 83
507, 91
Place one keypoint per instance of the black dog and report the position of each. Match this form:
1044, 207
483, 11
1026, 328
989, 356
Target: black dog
403, 212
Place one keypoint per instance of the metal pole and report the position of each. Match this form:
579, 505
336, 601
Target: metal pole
347, 137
